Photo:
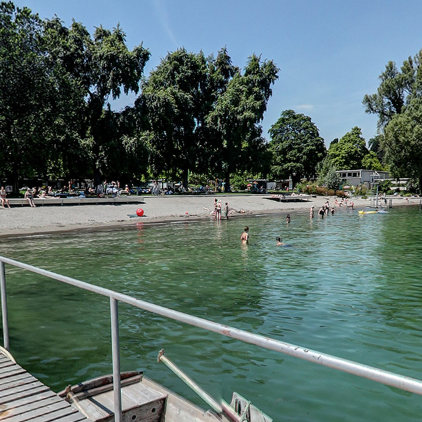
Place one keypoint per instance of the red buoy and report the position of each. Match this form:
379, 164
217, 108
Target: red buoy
139, 212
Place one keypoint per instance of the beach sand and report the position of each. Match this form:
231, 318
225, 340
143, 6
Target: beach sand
21, 220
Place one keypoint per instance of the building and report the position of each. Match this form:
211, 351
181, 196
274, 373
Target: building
362, 177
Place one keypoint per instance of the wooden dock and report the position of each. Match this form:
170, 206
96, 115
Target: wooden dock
288, 198
77, 200
24, 398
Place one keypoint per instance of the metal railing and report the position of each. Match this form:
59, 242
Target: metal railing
364, 371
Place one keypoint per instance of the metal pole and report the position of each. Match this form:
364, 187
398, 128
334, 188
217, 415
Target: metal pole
114, 313
5, 320
376, 206
190, 382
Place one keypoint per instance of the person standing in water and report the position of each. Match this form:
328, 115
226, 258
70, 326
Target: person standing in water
226, 210
245, 235
288, 218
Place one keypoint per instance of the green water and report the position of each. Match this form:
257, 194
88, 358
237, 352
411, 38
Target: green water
350, 286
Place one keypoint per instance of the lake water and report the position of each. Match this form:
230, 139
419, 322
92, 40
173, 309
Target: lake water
350, 286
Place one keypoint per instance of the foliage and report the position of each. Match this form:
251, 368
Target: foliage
349, 152
384, 186
332, 179
296, 147
236, 116
201, 114
195, 113
102, 67
403, 142
370, 161
361, 190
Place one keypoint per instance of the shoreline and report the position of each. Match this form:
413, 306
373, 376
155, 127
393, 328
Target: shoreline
27, 221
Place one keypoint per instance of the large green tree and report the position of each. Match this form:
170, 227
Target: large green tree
37, 97
202, 114
396, 103
104, 68
350, 150
236, 117
172, 109
403, 142
296, 146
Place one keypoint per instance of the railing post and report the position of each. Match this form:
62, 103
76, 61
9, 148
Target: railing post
115, 347
5, 320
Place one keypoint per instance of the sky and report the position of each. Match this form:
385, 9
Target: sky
330, 52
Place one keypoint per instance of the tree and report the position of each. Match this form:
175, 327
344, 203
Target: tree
36, 96
202, 114
403, 142
391, 94
370, 161
236, 116
172, 108
296, 146
103, 67
332, 179
349, 152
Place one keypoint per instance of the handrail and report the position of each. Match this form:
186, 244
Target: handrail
402, 382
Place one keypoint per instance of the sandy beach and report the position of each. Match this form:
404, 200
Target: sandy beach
21, 220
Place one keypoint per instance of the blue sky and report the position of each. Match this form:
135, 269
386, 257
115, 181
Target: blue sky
330, 53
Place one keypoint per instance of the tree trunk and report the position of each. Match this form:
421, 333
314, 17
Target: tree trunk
185, 178
227, 180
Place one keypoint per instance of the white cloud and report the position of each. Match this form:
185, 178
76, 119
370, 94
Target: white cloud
304, 107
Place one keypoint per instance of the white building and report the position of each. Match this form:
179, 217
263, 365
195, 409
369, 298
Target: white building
362, 176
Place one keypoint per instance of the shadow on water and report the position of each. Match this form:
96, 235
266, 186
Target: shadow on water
348, 286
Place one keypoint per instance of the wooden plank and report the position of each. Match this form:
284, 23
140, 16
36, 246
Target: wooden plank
4, 364
32, 396
33, 403
10, 371
22, 391
20, 379
44, 413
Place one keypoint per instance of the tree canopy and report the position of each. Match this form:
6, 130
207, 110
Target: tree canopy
350, 150
397, 104
403, 142
296, 146
193, 113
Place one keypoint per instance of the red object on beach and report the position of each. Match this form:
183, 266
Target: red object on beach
139, 212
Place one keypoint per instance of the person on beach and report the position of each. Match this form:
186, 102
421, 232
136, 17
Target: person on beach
279, 241
30, 198
312, 211
226, 210
245, 235
218, 210
3, 197
288, 218
215, 208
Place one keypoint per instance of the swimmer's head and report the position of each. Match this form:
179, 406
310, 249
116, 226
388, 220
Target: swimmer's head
278, 239
246, 229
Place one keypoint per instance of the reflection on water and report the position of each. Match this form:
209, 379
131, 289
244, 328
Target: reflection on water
349, 286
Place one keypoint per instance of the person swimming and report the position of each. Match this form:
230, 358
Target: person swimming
245, 235
279, 241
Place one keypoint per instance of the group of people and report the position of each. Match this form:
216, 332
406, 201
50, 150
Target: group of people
326, 209
244, 238
218, 209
